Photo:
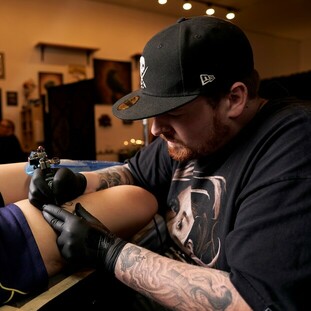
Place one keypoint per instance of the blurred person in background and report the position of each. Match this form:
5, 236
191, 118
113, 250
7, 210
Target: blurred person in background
10, 147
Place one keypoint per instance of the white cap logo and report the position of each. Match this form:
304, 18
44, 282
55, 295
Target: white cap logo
205, 78
143, 70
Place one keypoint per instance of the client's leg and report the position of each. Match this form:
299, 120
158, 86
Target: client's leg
29, 253
14, 182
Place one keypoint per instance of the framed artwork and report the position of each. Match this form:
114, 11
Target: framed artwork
77, 72
113, 80
11, 98
48, 79
2, 71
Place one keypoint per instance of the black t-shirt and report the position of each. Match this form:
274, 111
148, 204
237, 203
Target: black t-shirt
247, 209
10, 150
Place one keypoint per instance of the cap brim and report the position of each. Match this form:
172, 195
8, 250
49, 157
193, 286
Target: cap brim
137, 105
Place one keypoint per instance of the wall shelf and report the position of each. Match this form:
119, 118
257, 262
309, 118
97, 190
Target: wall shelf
87, 50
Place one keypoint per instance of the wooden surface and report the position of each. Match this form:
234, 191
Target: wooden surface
43, 298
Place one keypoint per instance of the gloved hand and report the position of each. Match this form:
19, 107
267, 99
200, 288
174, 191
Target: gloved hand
83, 239
66, 185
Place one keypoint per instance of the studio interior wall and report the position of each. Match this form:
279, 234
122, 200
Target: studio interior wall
117, 32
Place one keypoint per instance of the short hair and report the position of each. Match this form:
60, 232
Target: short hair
252, 82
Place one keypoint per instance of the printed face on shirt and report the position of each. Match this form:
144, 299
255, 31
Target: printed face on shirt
193, 214
180, 217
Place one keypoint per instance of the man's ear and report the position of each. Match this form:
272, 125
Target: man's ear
237, 97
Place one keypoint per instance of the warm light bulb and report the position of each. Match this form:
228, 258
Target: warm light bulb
230, 15
187, 6
162, 1
210, 11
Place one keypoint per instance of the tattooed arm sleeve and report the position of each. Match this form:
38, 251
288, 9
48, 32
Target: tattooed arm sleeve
177, 285
108, 177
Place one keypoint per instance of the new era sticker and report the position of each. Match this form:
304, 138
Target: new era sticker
205, 78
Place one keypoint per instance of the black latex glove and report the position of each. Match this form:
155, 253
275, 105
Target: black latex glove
39, 191
83, 239
66, 186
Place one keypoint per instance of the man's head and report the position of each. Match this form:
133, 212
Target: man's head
197, 56
7, 127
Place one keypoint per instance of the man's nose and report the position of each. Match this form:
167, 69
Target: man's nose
159, 127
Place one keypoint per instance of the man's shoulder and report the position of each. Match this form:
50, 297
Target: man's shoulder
287, 107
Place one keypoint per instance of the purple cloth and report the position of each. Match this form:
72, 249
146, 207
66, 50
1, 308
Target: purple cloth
21, 266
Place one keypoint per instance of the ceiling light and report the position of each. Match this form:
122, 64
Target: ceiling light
230, 15
211, 7
187, 6
210, 11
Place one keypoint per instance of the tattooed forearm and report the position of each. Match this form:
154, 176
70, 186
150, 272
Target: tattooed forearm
177, 285
114, 176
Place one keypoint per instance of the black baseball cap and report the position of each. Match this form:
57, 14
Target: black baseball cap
183, 61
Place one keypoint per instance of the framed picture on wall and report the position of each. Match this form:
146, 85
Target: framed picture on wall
2, 71
11, 98
77, 72
49, 79
113, 80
